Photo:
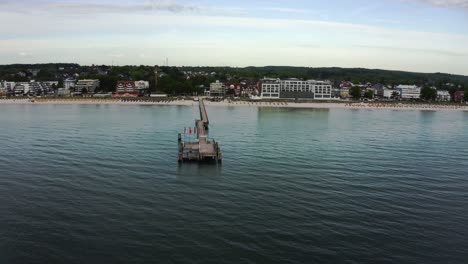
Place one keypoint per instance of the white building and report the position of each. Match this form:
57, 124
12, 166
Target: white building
89, 85
69, 83
6, 87
21, 88
217, 89
295, 88
388, 93
63, 92
270, 88
409, 91
142, 85
443, 96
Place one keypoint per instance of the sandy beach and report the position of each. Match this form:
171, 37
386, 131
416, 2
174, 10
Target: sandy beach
318, 105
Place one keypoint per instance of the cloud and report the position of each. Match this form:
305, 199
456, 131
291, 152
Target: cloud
49, 6
444, 3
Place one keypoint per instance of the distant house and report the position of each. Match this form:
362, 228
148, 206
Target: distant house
63, 92
142, 85
458, 96
344, 92
89, 86
7, 87
409, 92
443, 96
248, 89
131, 87
295, 89
346, 84
69, 83
217, 89
390, 93
125, 87
21, 89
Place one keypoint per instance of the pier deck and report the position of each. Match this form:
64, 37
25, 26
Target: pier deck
203, 149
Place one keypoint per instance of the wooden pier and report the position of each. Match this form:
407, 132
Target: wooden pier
201, 149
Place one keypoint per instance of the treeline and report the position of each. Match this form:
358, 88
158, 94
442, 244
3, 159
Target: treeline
174, 81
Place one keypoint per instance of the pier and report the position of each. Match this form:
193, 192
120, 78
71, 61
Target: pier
201, 149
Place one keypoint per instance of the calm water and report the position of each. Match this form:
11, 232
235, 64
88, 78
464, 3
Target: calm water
101, 184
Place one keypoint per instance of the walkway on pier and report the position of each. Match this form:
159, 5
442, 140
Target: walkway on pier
202, 149
206, 149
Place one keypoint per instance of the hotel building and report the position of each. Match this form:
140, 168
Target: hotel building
295, 88
409, 91
86, 85
217, 89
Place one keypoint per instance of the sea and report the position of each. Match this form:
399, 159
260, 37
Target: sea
101, 184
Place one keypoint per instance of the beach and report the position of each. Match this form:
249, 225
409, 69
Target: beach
226, 103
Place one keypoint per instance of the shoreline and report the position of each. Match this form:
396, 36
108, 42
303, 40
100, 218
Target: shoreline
307, 105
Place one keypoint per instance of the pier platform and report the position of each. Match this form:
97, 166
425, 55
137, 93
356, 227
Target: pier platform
201, 149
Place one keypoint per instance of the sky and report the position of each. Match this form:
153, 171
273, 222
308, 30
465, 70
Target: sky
408, 35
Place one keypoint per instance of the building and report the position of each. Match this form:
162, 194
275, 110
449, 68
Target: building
409, 92
21, 89
63, 92
344, 92
443, 96
458, 96
248, 89
217, 89
390, 93
39, 89
86, 86
142, 85
69, 83
125, 87
270, 88
131, 87
295, 88
6, 87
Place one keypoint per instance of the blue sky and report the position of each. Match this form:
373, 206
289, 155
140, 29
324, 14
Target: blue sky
411, 35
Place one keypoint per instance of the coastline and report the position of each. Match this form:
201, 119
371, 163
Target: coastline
306, 105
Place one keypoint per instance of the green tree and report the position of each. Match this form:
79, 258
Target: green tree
45, 75
429, 94
355, 92
60, 83
465, 96
369, 94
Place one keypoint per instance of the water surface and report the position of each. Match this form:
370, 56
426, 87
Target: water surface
101, 183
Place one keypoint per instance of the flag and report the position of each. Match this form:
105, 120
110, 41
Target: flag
190, 130
185, 130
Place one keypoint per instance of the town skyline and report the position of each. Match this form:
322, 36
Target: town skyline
413, 35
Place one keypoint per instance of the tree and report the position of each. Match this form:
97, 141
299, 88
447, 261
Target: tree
428, 93
230, 92
465, 96
369, 94
355, 92
395, 95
